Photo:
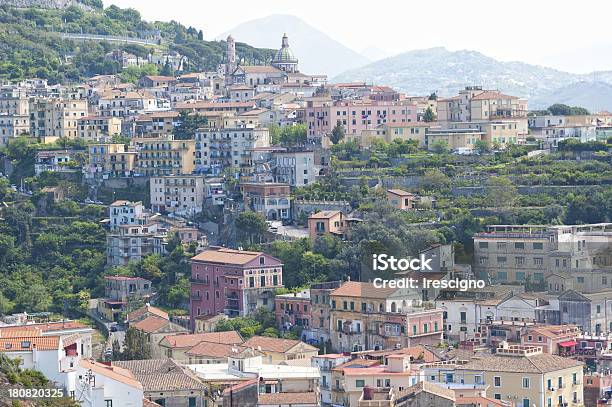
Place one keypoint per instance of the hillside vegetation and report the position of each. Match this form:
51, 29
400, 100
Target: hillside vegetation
31, 45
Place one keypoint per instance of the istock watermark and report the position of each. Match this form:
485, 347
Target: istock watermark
384, 262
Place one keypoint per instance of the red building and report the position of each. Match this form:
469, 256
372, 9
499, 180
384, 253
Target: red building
233, 282
293, 309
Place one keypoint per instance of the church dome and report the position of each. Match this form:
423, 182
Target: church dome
284, 54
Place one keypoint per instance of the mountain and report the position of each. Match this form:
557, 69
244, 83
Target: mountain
595, 96
316, 51
446, 72
31, 46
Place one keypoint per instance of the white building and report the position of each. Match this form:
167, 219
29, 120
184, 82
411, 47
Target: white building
126, 213
325, 364
296, 168
181, 194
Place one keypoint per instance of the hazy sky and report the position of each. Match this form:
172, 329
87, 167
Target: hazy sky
572, 36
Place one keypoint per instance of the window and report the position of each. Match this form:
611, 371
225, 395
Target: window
538, 246
549, 384
477, 379
463, 317
483, 245
580, 280
497, 396
360, 383
575, 378
497, 381
519, 245
525, 382
108, 403
526, 403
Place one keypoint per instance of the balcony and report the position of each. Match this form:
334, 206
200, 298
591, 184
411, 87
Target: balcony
199, 281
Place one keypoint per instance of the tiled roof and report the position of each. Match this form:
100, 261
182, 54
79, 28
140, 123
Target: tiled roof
190, 340
147, 309
259, 69
400, 192
150, 324
149, 403
27, 343
278, 399
113, 372
431, 388
492, 95
161, 375
214, 350
479, 401
362, 290
323, 214
160, 78
227, 256
542, 363
274, 344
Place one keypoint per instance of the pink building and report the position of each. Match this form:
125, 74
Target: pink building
293, 309
234, 282
322, 115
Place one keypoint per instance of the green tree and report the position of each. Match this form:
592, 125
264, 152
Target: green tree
136, 345
439, 147
337, 134
189, 125
429, 115
481, 146
250, 226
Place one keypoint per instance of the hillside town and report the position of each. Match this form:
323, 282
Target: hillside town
221, 226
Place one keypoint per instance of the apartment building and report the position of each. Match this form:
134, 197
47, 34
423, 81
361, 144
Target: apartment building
118, 290
53, 161
293, 309
465, 312
119, 103
553, 339
458, 140
349, 385
165, 156
272, 200
497, 133
132, 243
325, 363
320, 325
156, 124
110, 160
526, 377
322, 115
408, 131
126, 213
590, 312
13, 125
519, 253
98, 129
228, 146
475, 104
295, 168
181, 194
53, 118
234, 282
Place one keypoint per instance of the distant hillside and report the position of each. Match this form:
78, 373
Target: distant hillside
30, 45
595, 96
317, 52
446, 72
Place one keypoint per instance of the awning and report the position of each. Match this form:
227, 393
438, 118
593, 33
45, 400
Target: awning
567, 344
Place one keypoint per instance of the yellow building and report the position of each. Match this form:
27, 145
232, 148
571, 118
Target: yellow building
276, 350
98, 129
110, 160
526, 377
408, 131
454, 139
53, 118
165, 156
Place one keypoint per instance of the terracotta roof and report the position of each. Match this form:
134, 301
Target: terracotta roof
275, 344
147, 309
541, 363
158, 375
324, 214
27, 343
150, 324
431, 388
214, 350
61, 325
212, 105
362, 290
288, 399
160, 78
400, 192
491, 94
478, 401
113, 372
190, 340
19, 331
259, 69
226, 256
